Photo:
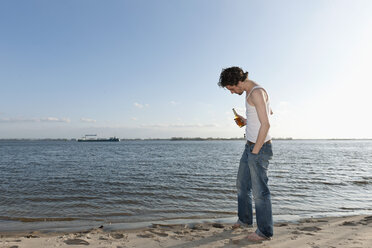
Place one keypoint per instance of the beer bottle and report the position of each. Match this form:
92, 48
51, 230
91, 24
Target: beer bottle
238, 120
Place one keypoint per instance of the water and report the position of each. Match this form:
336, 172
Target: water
142, 181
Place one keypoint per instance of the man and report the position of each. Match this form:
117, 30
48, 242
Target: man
252, 173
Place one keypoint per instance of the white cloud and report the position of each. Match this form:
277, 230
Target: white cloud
54, 119
134, 118
174, 103
44, 119
88, 120
181, 125
13, 120
139, 105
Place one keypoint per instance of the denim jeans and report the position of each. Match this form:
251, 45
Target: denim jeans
252, 179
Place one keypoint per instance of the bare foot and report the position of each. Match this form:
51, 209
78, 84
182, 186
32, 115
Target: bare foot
240, 224
255, 237
236, 226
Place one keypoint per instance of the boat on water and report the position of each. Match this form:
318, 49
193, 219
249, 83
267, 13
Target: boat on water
94, 138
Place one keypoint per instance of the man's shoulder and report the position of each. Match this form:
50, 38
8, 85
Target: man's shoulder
259, 93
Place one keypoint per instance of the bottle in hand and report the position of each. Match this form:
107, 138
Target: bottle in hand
237, 119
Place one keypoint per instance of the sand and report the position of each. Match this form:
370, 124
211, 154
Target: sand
353, 231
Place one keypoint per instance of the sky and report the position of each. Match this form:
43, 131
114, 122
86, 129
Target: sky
149, 69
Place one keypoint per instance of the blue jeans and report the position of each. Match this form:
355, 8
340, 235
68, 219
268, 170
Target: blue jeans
252, 179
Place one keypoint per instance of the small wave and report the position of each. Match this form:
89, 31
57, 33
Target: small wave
191, 211
26, 219
66, 198
346, 208
334, 183
279, 176
298, 195
359, 182
112, 215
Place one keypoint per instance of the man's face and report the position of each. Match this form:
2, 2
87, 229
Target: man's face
235, 89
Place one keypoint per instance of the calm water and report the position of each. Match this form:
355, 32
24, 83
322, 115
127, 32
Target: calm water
135, 181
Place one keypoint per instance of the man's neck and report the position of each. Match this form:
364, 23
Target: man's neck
248, 85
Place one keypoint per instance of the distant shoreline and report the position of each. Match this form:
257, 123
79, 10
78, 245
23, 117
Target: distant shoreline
172, 139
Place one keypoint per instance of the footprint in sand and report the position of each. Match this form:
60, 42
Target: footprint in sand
199, 227
76, 242
161, 234
366, 221
118, 236
218, 225
281, 224
242, 242
145, 235
31, 236
309, 228
349, 223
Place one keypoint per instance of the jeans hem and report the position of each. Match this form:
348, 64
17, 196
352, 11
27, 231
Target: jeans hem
259, 233
243, 224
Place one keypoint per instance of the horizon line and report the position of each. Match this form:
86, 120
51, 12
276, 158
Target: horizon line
180, 139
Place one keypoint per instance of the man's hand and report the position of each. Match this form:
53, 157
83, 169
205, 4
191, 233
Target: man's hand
240, 119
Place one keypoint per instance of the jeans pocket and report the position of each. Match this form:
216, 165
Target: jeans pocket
267, 151
259, 160
254, 154
263, 162
253, 157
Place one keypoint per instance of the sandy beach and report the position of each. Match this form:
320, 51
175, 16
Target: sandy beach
352, 231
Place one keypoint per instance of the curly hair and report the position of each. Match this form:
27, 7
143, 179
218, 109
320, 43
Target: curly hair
232, 76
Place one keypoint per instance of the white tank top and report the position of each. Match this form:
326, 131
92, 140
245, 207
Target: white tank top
253, 123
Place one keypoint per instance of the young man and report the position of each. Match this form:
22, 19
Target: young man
252, 173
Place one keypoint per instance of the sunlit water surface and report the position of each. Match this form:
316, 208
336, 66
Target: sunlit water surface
144, 181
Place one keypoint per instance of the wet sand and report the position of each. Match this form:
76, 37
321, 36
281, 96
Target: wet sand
352, 231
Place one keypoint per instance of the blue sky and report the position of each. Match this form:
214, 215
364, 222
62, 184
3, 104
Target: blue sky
149, 69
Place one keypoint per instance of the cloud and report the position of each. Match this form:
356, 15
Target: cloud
53, 119
45, 119
174, 103
139, 105
87, 120
182, 125
134, 118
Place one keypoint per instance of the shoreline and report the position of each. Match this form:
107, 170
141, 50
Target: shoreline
69, 225
346, 231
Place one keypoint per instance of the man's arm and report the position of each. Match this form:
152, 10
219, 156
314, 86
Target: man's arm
259, 100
